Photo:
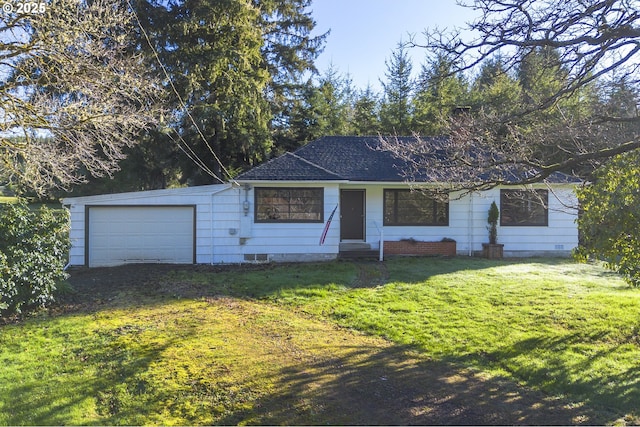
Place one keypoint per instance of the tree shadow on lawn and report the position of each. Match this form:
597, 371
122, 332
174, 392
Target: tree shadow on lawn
615, 397
137, 284
386, 387
104, 394
394, 386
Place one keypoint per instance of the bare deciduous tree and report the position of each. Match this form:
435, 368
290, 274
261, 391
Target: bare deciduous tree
572, 128
72, 95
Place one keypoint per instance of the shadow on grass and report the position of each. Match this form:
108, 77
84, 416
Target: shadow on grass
101, 381
132, 285
612, 396
393, 387
388, 387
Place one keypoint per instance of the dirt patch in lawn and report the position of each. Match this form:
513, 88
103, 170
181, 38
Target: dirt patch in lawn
94, 287
349, 379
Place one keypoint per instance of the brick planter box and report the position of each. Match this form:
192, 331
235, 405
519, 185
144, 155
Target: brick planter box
414, 247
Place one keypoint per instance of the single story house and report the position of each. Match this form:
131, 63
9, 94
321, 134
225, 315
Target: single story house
331, 196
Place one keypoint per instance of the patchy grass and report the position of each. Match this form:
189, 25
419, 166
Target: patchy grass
8, 199
210, 361
567, 329
446, 341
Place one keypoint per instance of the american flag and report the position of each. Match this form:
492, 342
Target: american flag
326, 227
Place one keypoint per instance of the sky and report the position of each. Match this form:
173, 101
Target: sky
365, 32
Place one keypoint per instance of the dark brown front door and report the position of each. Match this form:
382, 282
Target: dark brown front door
352, 214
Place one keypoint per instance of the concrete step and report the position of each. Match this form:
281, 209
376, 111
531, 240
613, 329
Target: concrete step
362, 254
354, 246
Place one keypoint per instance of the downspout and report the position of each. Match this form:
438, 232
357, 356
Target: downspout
68, 208
470, 225
212, 228
381, 257
211, 204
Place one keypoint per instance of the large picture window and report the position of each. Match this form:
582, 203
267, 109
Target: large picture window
406, 207
519, 207
289, 204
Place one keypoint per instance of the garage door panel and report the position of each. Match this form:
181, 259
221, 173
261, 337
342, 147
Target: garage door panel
140, 234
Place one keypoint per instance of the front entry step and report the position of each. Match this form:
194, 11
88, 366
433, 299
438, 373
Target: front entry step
370, 254
357, 250
354, 246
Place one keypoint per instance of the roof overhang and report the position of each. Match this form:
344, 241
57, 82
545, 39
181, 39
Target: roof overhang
167, 192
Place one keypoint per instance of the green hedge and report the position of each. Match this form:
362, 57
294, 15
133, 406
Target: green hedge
33, 247
610, 221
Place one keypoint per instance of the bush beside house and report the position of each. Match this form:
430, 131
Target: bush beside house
33, 248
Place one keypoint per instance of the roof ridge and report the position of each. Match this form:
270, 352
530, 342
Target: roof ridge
315, 165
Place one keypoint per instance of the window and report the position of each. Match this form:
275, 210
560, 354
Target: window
289, 204
518, 207
406, 207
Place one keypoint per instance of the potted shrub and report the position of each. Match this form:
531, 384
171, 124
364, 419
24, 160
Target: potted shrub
493, 250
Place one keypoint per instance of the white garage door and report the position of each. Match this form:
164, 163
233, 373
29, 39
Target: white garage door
140, 234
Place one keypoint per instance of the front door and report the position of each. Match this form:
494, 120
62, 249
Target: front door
352, 214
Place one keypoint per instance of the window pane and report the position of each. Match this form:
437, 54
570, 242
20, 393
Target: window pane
389, 206
289, 204
406, 207
522, 208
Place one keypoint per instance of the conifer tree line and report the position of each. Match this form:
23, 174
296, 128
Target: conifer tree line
191, 80
303, 106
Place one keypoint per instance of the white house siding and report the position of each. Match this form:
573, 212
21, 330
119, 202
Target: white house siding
468, 223
201, 197
226, 227
457, 229
556, 239
276, 241
224, 234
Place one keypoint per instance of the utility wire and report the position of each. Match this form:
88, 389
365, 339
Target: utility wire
200, 163
193, 156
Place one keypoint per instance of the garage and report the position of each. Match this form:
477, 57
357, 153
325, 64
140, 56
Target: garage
118, 235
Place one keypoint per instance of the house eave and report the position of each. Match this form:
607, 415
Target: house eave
119, 197
289, 181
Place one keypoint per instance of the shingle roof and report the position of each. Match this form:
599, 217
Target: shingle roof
290, 167
345, 158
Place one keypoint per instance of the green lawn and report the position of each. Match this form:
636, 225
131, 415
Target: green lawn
8, 199
265, 346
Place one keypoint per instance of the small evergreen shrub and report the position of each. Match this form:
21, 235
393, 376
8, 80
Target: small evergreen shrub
33, 248
492, 219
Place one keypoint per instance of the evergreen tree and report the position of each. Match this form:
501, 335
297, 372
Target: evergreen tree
396, 111
438, 94
325, 109
221, 77
558, 53
366, 114
237, 65
541, 75
494, 90
289, 51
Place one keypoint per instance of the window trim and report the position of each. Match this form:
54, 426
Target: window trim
541, 192
284, 221
408, 224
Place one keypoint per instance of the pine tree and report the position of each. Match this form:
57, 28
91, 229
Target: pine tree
438, 94
396, 111
366, 115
